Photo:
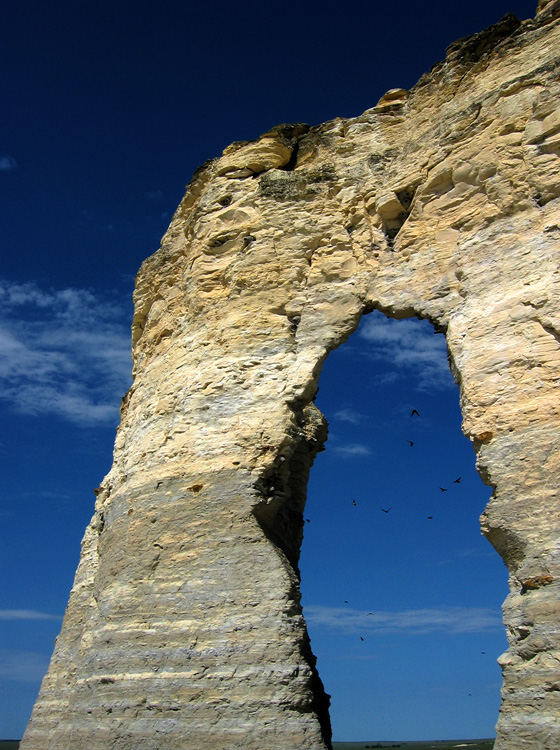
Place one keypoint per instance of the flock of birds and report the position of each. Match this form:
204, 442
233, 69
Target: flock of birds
443, 489
414, 413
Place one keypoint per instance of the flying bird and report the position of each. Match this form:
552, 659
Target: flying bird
443, 489
411, 443
361, 639
456, 481
430, 518
354, 502
386, 511
413, 412
308, 520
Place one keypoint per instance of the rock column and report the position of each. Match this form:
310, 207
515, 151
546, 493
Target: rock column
184, 627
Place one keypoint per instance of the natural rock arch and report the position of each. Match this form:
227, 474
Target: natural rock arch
184, 627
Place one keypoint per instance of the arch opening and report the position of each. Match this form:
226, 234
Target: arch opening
401, 592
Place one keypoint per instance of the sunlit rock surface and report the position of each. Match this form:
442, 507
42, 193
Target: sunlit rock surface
184, 627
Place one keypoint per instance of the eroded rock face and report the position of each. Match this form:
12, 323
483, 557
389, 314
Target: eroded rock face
184, 627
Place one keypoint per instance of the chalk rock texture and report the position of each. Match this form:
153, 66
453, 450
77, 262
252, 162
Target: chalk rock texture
184, 627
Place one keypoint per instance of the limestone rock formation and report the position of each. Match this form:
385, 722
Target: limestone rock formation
184, 627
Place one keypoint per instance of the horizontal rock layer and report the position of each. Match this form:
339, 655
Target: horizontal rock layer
184, 627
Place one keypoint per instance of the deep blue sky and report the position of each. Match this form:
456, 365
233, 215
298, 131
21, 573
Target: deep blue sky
107, 109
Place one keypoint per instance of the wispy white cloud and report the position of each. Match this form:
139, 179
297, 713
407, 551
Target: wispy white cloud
479, 553
23, 666
354, 655
154, 195
349, 415
409, 345
26, 614
451, 620
7, 163
351, 449
63, 352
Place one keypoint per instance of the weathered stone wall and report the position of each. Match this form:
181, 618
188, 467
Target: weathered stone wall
184, 627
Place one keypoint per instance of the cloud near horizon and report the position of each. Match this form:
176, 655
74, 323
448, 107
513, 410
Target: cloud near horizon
449, 620
63, 352
409, 345
23, 666
26, 614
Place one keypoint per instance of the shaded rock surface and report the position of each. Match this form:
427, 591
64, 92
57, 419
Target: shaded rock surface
184, 627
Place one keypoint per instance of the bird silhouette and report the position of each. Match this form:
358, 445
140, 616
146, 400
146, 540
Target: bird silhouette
456, 481
411, 443
308, 520
443, 489
413, 412
354, 502
361, 639
430, 518
386, 511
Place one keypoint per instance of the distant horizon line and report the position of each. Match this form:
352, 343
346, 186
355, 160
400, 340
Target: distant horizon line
416, 742
361, 742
